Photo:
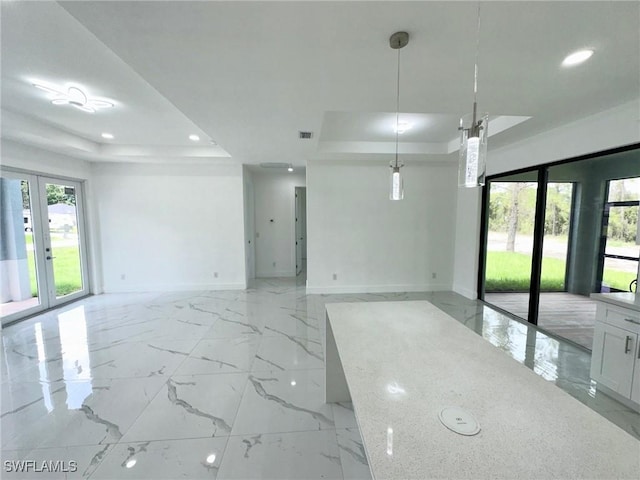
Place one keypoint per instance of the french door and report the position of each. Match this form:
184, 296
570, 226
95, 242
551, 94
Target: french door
42, 244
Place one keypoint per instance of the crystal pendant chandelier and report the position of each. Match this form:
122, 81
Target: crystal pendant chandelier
396, 192
473, 136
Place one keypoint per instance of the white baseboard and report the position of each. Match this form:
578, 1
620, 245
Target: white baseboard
175, 287
466, 292
276, 274
430, 287
616, 396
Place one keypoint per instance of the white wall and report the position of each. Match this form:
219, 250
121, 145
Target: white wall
275, 241
609, 129
170, 227
18, 156
372, 243
468, 207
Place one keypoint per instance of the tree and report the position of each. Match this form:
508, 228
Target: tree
558, 214
24, 186
522, 204
512, 229
57, 194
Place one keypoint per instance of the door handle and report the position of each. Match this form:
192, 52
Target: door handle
627, 348
50, 258
632, 321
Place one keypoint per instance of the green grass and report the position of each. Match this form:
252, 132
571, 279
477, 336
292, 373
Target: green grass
617, 279
510, 272
67, 271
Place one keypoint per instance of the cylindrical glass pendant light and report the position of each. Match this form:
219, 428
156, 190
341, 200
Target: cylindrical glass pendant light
396, 191
473, 150
473, 136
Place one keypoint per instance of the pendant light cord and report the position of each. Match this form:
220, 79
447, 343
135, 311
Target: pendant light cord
475, 76
398, 107
475, 73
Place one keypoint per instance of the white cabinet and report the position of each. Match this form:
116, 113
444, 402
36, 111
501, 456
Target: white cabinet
612, 348
615, 361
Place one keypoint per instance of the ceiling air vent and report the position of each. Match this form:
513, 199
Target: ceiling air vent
305, 135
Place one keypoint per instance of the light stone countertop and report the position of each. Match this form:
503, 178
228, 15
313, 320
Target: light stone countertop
405, 361
621, 299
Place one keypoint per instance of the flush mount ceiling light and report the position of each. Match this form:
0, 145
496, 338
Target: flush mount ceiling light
397, 41
290, 168
402, 127
73, 96
194, 138
577, 57
108, 136
473, 135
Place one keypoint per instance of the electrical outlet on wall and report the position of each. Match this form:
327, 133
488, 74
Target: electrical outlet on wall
335, 276
215, 274
274, 264
434, 275
123, 276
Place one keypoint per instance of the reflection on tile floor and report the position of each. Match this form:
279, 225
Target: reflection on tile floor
224, 384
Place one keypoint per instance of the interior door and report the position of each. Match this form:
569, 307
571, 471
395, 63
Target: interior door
298, 230
63, 237
303, 216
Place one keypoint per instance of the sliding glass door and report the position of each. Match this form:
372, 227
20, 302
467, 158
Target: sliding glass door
43, 261
509, 247
555, 234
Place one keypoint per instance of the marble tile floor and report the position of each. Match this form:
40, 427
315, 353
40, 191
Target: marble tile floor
564, 314
215, 384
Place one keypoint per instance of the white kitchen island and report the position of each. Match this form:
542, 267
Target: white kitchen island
401, 363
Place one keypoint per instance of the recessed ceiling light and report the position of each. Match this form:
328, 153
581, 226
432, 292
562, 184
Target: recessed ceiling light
290, 169
194, 138
577, 57
211, 458
74, 96
108, 136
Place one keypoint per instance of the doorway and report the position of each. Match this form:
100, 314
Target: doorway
43, 249
301, 231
